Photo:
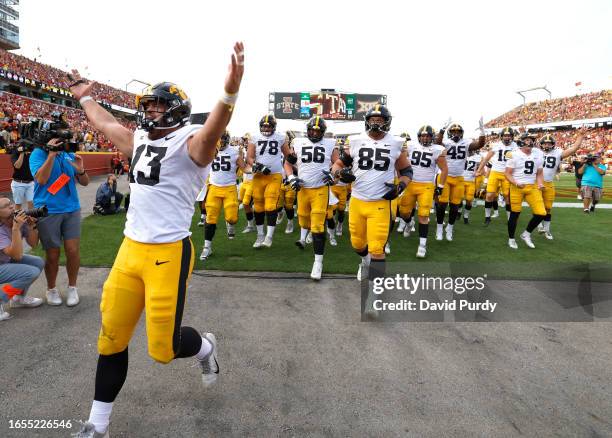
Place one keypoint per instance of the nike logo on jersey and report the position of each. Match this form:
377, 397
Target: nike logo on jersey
157, 262
169, 137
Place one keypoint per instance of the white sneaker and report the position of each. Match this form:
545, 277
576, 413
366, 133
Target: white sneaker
388, 248
308, 238
259, 242
210, 366
248, 229
206, 252
495, 213
317, 270
267, 242
578, 197
332, 240
512, 244
449, 234
439, 233
548, 235
88, 430
27, 301
362, 271
231, 231
409, 228
280, 217
53, 297
72, 298
402, 226
541, 229
421, 251
339, 229
4, 315
289, 228
527, 239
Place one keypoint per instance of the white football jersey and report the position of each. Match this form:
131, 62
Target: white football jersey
268, 150
456, 154
164, 183
525, 166
471, 166
500, 151
552, 161
313, 159
423, 160
373, 164
223, 168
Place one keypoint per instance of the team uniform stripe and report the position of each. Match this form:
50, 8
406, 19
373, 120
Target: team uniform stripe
182, 291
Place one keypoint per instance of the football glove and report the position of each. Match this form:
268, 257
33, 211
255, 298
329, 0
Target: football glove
394, 190
438, 190
296, 183
345, 175
261, 168
328, 178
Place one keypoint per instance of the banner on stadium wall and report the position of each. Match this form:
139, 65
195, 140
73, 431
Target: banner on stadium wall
329, 105
12, 76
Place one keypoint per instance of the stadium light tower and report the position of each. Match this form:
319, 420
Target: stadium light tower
520, 93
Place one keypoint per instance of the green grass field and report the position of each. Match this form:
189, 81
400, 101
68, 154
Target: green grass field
579, 239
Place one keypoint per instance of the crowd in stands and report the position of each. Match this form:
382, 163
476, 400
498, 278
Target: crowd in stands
53, 76
584, 106
16, 109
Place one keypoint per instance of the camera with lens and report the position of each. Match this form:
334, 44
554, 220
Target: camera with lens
38, 133
35, 212
590, 158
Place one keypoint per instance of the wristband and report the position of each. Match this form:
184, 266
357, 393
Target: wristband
84, 99
440, 186
229, 99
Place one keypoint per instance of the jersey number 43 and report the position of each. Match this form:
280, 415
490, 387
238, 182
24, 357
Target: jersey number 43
147, 170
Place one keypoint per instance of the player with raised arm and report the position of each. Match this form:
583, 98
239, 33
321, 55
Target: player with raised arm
170, 162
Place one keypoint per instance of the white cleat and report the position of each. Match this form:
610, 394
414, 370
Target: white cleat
210, 366
526, 237
449, 234
402, 226
332, 240
308, 238
259, 242
421, 251
495, 213
439, 234
53, 297
512, 244
339, 230
388, 248
548, 235
362, 271
280, 217
289, 228
27, 301
300, 244
541, 229
317, 270
88, 430
248, 229
206, 252
409, 228
267, 242
231, 231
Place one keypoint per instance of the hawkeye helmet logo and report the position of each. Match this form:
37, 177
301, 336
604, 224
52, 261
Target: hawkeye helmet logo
287, 105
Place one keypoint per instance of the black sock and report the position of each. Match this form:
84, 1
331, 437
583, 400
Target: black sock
331, 224
249, 215
260, 218
508, 207
110, 376
341, 216
209, 231
536, 219
512, 223
191, 342
547, 218
495, 205
290, 213
440, 210
271, 217
318, 243
363, 253
423, 230
454, 212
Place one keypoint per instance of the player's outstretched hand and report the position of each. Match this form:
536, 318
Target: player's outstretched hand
79, 87
236, 70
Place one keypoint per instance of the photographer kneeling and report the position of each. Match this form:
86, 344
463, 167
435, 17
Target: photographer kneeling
56, 170
592, 172
17, 270
108, 199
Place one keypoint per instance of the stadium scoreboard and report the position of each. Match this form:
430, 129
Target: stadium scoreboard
329, 104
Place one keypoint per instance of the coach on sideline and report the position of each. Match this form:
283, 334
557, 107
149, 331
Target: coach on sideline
17, 271
55, 175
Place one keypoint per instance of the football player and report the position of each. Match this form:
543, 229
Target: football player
470, 182
245, 194
170, 162
340, 191
313, 157
369, 161
265, 154
222, 192
457, 149
285, 206
425, 157
497, 178
553, 157
402, 223
526, 177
